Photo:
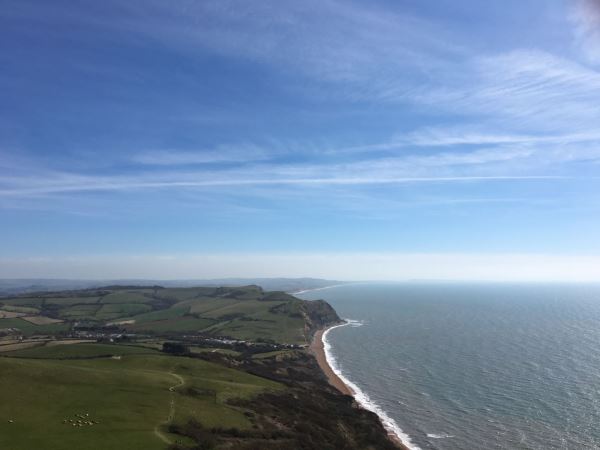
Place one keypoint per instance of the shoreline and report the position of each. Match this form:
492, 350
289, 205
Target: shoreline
304, 291
317, 347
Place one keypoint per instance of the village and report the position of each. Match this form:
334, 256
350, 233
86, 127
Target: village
12, 339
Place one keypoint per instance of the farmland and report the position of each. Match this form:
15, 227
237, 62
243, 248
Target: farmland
243, 313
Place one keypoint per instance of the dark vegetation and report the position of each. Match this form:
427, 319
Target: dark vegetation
309, 414
176, 348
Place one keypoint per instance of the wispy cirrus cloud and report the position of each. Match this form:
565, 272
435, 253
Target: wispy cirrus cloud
480, 165
139, 183
222, 154
522, 113
469, 137
523, 89
359, 51
475, 136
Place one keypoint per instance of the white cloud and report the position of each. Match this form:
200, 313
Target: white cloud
372, 175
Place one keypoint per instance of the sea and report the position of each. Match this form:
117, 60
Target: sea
473, 365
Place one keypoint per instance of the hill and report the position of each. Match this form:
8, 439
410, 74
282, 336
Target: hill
242, 313
119, 402
28, 285
148, 367
99, 396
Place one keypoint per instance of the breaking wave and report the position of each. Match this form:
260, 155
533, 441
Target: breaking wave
359, 395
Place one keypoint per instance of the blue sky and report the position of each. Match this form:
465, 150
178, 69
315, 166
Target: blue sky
172, 131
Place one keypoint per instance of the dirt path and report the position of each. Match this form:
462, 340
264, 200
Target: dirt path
162, 436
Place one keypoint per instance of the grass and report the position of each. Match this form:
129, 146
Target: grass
114, 311
21, 309
29, 329
182, 294
129, 397
79, 351
240, 307
163, 314
14, 346
78, 312
246, 317
283, 329
63, 301
23, 301
175, 325
126, 297
207, 304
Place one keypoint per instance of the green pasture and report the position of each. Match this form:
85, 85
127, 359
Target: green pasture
130, 399
29, 329
83, 350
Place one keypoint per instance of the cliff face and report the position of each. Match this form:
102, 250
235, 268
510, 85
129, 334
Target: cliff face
318, 314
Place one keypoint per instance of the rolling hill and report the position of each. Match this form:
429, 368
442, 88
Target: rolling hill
241, 313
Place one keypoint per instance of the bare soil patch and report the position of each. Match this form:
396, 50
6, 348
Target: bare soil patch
41, 320
9, 314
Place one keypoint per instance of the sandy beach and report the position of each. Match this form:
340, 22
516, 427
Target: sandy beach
318, 349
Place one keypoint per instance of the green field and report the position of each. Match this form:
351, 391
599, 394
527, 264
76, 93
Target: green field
79, 351
31, 329
245, 313
132, 399
23, 301
79, 312
64, 301
21, 309
114, 311
175, 325
127, 296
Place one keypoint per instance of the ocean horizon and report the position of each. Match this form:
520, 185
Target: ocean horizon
472, 365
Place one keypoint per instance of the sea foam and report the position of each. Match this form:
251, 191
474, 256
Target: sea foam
359, 395
439, 436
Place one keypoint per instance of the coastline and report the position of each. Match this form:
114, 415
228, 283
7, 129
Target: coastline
304, 291
318, 348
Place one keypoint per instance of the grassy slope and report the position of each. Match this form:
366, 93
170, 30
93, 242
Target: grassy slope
135, 396
130, 397
29, 328
79, 350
